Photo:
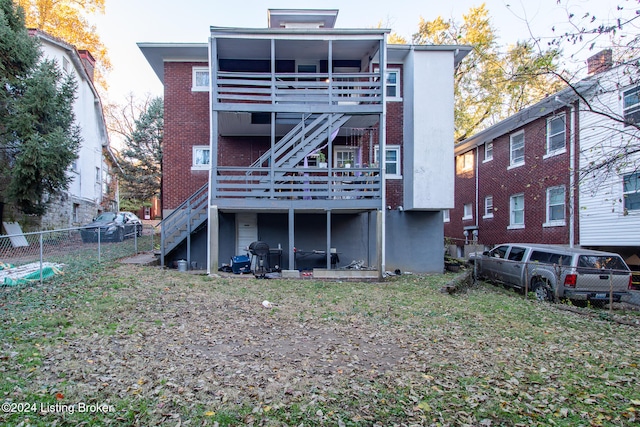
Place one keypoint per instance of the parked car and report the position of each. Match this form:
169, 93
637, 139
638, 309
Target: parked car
555, 272
112, 226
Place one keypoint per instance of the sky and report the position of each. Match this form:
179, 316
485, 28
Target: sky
127, 22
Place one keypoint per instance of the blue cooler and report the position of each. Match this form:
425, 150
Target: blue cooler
240, 264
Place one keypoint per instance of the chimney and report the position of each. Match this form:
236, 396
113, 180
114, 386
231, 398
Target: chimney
88, 61
601, 61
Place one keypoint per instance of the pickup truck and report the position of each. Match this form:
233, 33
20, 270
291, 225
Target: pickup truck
553, 272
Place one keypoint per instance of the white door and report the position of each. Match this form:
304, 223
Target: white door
246, 231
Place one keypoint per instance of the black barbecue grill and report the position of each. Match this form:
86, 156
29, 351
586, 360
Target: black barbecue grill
260, 258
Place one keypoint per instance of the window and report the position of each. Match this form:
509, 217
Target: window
467, 211
464, 162
307, 69
488, 151
98, 175
499, 252
631, 99
76, 212
65, 65
446, 215
631, 190
200, 79
391, 160
393, 83
556, 128
516, 253
555, 206
488, 207
516, 208
201, 157
344, 157
517, 149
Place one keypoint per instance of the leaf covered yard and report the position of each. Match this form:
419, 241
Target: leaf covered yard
151, 347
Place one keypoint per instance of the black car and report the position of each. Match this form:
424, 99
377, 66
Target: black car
112, 226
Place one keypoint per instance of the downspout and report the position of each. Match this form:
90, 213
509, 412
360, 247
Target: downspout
477, 185
572, 171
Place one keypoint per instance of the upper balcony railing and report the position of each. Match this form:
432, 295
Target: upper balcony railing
300, 88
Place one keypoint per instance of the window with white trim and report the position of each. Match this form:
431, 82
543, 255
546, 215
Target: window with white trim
200, 76
392, 160
201, 157
631, 192
488, 207
467, 211
393, 83
556, 138
98, 175
516, 210
516, 145
446, 215
631, 105
555, 206
344, 157
488, 151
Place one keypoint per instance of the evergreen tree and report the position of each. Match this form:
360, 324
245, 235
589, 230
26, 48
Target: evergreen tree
39, 140
141, 159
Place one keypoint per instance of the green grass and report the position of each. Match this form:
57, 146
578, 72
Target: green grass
162, 348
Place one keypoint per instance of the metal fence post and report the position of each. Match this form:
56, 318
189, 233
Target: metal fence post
41, 259
99, 247
526, 280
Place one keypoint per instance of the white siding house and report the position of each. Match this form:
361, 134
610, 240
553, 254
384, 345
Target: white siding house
610, 197
88, 192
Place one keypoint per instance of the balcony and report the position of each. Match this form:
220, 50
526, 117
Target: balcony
347, 92
307, 188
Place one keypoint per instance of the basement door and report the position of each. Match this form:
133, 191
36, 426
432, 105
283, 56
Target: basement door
246, 231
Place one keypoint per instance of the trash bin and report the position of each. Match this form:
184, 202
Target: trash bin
182, 265
240, 264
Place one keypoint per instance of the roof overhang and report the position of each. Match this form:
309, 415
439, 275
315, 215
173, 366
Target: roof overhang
547, 106
302, 18
159, 53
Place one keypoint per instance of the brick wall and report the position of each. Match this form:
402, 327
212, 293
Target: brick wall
532, 179
186, 117
395, 136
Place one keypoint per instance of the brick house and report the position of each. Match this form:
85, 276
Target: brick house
524, 180
278, 140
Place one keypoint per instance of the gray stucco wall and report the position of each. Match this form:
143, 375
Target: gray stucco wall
414, 241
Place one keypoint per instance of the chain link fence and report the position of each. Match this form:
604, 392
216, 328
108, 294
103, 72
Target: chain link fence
29, 257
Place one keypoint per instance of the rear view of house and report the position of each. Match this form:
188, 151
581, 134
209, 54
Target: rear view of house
326, 144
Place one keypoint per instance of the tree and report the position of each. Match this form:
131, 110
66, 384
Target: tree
65, 19
602, 93
142, 127
489, 84
19, 53
39, 140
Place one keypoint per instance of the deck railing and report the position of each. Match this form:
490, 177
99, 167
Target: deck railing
309, 88
296, 183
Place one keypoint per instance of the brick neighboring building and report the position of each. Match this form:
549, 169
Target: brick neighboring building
525, 179
247, 136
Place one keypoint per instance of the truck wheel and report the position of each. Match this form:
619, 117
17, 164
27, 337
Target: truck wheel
542, 291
